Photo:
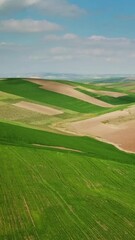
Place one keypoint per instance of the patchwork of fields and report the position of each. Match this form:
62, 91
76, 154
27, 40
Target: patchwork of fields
56, 184
117, 127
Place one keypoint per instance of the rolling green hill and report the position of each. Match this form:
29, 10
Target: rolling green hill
14, 134
127, 99
62, 195
32, 91
58, 186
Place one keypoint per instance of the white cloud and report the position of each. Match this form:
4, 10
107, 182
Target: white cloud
56, 7
91, 42
103, 38
62, 58
10, 4
3, 44
58, 50
70, 36
52, 37
67, 37
97, 47
28, 25
80, 54
60, 7
97, 38
94, 39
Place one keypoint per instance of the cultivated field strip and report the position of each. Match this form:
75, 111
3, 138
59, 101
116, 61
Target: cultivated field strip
10, 112
19, 135
104, 93
55, 195
69, 91
31, 91
117, 127
38, 108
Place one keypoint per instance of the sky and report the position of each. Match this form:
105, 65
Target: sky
67, 36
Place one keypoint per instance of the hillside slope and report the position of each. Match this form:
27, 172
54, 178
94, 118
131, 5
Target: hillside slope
55, 185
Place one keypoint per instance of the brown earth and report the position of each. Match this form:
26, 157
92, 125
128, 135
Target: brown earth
69, 91
117, 128
104, 93
38, 108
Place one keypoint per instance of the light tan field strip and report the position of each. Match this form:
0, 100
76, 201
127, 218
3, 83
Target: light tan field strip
116, 127
38, 108
69, 91
104, 93
56, 147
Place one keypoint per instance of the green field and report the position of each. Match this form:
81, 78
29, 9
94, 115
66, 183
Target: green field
18, 135
31, 91
127, 99
55, 195
84, 191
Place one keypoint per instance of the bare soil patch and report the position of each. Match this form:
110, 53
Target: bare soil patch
69, 91
105, 93
38, 108
116, 127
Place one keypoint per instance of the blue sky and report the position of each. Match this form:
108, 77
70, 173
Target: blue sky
71, 36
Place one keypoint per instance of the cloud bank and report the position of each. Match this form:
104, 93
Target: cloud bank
28, 25
54, 7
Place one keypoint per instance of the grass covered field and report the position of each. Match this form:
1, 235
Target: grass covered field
60, 186
57, 195
31, 91
27, 136
127, 99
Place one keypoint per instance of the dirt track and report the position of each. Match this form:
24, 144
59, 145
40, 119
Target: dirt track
57, 147
116, 127
38, 108
69, 91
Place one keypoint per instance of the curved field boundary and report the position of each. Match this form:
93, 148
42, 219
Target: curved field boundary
57, 147
38, 108
104, 93
125, 99
69, 91
14, 134
33, 92
116, 127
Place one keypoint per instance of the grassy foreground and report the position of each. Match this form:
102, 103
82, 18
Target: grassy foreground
54, 195
63, 195
13, 134
59, 194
